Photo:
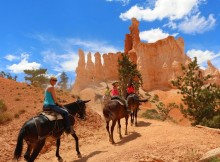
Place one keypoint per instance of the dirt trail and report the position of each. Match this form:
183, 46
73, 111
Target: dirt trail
151, 141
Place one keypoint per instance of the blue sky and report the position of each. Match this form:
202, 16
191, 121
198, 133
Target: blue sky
48, 33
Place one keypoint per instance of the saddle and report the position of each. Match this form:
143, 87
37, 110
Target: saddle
51, 115
118, 100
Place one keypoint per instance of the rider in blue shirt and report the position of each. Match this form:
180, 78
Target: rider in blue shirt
51, 102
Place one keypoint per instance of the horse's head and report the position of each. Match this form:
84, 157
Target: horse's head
81, 108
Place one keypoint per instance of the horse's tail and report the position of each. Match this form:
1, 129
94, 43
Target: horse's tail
19, 146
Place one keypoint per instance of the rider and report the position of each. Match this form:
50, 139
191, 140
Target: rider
108, 91
130, 89
115, 94
51, 103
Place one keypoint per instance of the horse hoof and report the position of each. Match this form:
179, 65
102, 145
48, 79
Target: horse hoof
60, 159
79, 155
26, 157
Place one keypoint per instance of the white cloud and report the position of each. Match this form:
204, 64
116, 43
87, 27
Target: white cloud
183, 15
153, 35
202, 56
23, 65
171, 9
61, 62
11, 57
92, 46
67, 57
197, 24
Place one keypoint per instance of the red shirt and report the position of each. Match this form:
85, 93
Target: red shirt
130, 90
115, 92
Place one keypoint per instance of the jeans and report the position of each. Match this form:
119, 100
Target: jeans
59, 110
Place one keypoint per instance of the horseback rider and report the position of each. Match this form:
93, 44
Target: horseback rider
108, 91
130, 89
51, 103
115, 95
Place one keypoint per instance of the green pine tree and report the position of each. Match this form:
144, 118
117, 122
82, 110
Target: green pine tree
36, 77
128, 72
64, 81
200, 98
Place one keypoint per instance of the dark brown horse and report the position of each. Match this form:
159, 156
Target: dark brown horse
36, 130
133, 104
114, 111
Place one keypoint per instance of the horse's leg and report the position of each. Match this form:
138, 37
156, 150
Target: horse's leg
119, 129
132, 118
135, 116
28, 152
77, 145
36, 150
57, 151
112, 130
126, 125
107, 127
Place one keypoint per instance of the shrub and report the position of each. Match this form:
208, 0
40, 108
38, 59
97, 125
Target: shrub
151, 114
3, 107
4, 117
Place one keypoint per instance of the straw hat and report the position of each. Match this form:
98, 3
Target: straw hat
114, 83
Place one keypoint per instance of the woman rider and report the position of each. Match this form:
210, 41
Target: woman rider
51, 103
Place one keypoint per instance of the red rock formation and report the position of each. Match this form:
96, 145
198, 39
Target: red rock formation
212, 70
158, 62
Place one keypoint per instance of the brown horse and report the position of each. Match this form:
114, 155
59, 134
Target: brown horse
133, 104
113, 111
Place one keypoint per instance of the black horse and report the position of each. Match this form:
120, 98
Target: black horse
36, 130
133, 104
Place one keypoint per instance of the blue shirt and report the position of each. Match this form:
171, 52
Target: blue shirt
48, 98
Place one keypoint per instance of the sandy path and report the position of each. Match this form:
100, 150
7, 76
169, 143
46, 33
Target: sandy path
150, 141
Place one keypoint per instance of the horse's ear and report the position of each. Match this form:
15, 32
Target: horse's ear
86, 101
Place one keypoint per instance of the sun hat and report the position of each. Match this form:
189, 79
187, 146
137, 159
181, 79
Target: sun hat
53, 78
114, 83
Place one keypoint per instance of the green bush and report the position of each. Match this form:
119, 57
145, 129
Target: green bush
151, 114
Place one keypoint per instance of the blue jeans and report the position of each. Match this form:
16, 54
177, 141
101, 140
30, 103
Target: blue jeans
59, 110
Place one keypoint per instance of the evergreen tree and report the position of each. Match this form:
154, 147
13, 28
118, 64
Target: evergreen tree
36, 77
199, 97
64, 80
128, 72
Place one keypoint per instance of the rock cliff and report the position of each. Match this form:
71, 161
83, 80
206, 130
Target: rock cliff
158, 62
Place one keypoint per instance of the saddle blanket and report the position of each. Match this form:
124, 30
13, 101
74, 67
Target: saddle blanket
52, 115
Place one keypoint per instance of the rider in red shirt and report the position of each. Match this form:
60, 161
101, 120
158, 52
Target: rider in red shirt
130, 89
115, 94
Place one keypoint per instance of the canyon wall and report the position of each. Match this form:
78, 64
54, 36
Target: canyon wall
158, 62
